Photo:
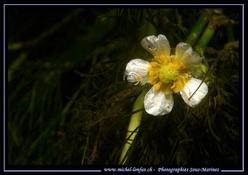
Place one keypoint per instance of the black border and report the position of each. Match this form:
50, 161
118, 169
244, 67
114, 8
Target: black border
101, 168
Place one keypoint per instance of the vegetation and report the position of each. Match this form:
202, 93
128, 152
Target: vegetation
68, 103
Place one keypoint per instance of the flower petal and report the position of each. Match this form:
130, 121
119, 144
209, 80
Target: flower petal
156, 45
189, 90
136, 71
157, 103
184, 51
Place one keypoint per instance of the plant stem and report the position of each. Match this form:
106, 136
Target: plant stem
197, 29
133, 126
137, 116
206, 36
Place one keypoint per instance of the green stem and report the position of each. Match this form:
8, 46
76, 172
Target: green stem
206, 36
137, 116
133, 126
197, 29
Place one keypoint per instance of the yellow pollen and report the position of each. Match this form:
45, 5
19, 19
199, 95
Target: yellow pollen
168, 73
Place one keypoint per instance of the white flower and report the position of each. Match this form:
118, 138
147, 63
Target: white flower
168, 74
136, 71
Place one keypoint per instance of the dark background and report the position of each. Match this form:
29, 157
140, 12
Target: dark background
68, 103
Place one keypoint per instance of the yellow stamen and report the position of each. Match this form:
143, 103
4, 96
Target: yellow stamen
168, 73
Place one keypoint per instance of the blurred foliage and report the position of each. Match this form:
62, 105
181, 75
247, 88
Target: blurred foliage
68, 103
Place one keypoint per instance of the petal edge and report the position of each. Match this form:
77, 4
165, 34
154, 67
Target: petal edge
157, 103
136, 71
185, 52
156, 44
189, 90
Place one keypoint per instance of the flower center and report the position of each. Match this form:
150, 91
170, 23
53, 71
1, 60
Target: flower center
168, 73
